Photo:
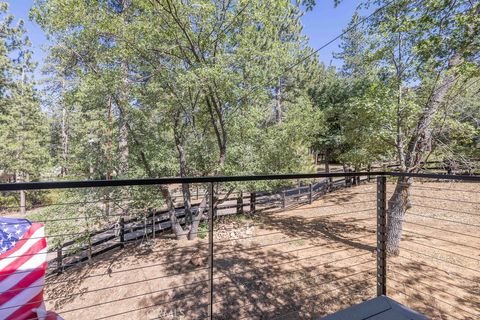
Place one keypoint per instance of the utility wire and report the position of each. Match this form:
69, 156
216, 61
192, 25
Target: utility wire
294, 65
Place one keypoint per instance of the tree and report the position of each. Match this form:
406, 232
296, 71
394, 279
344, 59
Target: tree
354, 109
199, 86
425, 48
23, 125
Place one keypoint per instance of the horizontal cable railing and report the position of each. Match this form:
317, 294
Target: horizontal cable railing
437, 270
304, 246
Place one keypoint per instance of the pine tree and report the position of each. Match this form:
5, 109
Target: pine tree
23, 125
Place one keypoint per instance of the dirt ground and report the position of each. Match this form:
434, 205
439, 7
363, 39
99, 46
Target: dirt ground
299, 263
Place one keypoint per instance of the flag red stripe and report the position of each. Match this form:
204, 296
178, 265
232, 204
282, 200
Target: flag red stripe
33, 228
24, 312
18, 262
22, 272
52, 316
23, 284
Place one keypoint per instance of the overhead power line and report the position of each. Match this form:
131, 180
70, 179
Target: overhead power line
296, 64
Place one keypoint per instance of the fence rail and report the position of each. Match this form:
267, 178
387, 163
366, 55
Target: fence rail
155, 222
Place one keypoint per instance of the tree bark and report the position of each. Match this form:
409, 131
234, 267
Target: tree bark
123, 123
197, 218
348, 180
418, 147
278, 102
327, 160
356, 179
397, 204
183, 173
179, 232
327, 168
23, 202
123, 146
64, 169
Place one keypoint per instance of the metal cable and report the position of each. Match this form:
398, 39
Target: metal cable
443, 301
426, 255
440, 229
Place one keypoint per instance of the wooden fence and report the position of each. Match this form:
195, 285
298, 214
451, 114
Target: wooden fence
70, 253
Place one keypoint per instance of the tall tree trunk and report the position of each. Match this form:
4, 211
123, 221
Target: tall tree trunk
348, 180
123, 131
183, 173
356, 179
91, 170
418, 147
197, 218
327, 168
124, 100
64, 169
179, 232
123, 147
398, 203
23, 202
192, 220
278, 102
108, 175
327, 160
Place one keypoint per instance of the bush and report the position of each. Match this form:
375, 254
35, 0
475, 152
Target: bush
9, 202
202, 230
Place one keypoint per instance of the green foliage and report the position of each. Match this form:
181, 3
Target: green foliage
197, 101
202, 230
393, 62
23, 125
8, 203
174, 88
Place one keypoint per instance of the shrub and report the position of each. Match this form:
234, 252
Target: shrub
202, 230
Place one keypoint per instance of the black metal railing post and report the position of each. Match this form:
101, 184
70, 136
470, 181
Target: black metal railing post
210, 249
381, 235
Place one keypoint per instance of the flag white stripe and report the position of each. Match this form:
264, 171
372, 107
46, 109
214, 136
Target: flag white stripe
36, 236
31, 264
22, 298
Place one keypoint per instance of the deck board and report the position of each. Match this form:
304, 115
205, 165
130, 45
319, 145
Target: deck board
380, 308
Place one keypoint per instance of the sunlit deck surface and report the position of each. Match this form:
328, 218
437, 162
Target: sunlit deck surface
380, 308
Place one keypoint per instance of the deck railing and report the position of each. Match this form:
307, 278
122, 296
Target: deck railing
305, 247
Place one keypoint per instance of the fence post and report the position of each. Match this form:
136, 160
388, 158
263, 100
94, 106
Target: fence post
310, 194
59, 260
122, 232
381, 236
153, 225
283, 199
240, 203
253, 199
210, 250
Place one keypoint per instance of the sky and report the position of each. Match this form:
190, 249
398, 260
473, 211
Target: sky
320, 25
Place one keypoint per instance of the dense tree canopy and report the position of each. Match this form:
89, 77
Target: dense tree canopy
152, 88
190, 82
23, 125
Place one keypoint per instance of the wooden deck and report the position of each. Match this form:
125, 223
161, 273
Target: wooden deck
380, 308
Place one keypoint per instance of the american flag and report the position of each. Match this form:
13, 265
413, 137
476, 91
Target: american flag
23, 255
